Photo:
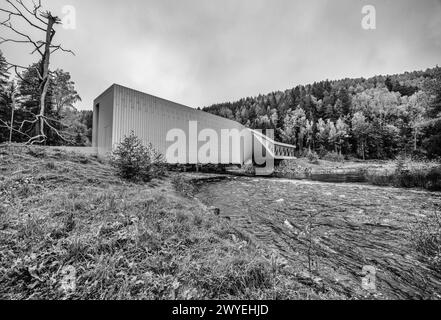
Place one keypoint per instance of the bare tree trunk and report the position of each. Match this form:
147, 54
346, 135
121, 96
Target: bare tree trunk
45, 75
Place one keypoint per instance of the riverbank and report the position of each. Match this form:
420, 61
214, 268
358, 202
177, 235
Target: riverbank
403, 173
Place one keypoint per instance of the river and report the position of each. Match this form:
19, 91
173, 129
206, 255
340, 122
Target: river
331, 232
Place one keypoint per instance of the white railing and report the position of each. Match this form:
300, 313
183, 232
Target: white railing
278, 150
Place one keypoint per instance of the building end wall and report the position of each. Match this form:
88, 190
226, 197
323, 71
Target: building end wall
103, 121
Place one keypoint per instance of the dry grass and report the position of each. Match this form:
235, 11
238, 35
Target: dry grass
61, 212
426, 237
409, 174
405, 173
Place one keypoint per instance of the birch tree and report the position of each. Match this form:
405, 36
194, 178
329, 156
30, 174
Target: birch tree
360, 130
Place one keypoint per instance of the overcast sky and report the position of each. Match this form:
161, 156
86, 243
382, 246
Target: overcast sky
200, 52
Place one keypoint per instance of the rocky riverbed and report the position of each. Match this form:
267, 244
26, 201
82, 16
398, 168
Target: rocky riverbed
336, 235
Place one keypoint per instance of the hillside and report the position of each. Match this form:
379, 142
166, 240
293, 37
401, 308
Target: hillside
372, 118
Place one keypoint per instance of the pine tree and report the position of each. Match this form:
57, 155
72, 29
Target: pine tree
4, 75
433, 140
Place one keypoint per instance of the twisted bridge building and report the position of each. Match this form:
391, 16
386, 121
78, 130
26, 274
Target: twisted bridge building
120, 110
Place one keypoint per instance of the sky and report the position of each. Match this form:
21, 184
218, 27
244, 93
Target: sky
201, 52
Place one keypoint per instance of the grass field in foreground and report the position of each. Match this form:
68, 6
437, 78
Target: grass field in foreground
70, 229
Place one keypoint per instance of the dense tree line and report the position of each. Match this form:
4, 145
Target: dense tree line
374, 118
20, 95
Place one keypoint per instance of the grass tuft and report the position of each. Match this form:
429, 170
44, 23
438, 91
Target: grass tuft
426, 238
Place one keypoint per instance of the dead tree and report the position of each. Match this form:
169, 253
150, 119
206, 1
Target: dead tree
42, 21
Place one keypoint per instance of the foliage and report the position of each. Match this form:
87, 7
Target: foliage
183, 185
64, 93
333, 156
432, 141
134, 161
407, 175
312, 157
374, 118
291, 169
36, 18
8, 96
75, 127
249, 169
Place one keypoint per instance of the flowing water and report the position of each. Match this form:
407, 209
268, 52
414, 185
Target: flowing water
332, 231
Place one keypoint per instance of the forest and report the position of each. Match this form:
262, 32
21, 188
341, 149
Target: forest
374, 118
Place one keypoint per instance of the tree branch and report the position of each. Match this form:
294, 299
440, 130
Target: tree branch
59, 47
19, 13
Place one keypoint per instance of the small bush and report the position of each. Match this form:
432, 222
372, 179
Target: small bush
334, 157
50, 165
37, 152
313, 157
418, 155
249, 169
291, 169
406, 176
159, 165
134, 161
182, 185
434, 179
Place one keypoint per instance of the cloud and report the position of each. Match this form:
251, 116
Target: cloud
200, 52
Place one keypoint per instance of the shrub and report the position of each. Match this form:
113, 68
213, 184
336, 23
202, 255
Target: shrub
415, 178
134, 161
421, 177
182, 185
313, 157
418, 155
159, 165
334, 157
380, 180
249, 169
291, 169
434, 179
408, 176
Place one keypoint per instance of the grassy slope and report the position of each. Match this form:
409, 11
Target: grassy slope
409, 174
124, 240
